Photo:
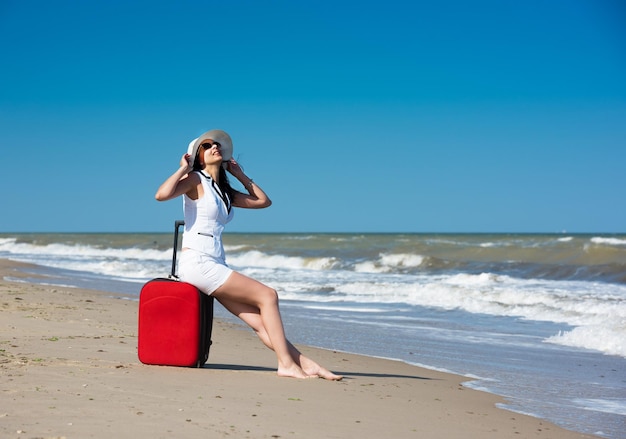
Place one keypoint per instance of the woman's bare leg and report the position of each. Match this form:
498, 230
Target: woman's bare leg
251, 315
240, 292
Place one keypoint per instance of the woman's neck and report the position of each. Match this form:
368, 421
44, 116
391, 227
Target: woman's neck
213, 171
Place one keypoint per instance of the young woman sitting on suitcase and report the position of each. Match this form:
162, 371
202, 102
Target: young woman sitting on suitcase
208, 200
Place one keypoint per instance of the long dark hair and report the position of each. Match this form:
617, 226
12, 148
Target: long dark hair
224, 184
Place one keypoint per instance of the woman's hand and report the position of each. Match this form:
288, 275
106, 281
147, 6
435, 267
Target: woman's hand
185, 162
233, 167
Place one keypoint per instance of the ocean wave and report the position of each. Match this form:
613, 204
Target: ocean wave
133, 263
595, 312
608, 241
390, 262
256, 258
607, 338
10, 246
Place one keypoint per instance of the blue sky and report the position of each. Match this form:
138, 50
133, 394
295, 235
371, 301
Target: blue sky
451, 116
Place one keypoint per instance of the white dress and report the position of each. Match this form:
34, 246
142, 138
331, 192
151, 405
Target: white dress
203, 261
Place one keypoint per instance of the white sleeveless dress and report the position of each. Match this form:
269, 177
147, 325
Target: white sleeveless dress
203, 262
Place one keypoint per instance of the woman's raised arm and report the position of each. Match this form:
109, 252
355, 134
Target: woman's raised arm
177, 183
256, 198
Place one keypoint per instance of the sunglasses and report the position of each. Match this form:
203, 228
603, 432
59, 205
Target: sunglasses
210, 145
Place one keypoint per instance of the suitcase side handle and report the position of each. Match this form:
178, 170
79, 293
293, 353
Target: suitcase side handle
177, 225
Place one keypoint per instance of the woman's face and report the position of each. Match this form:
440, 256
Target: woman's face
210, 152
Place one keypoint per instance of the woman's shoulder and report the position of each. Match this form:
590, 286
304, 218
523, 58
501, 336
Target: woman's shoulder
190, 181
194, 176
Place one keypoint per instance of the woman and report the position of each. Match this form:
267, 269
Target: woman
208, 199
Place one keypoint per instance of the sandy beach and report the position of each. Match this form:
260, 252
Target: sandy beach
70, 370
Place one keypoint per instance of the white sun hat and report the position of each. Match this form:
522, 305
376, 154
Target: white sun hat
218, 136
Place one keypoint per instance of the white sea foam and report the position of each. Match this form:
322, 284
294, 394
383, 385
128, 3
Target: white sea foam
615, 406
608, 241
256, 258
11, 247
402, 260
389, 262
607, 338
122, 263
235, 248
369, 267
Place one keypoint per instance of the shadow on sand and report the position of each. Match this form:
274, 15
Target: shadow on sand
346, 374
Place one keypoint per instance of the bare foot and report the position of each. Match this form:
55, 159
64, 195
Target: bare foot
292, 372
327, 374
311, 368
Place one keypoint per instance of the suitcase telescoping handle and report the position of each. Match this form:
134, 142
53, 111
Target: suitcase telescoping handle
177, 225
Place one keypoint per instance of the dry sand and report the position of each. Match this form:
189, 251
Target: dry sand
69, 368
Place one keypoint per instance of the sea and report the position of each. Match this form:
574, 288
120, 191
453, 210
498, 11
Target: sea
539, 319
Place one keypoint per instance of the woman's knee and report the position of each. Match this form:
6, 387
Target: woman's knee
268, 297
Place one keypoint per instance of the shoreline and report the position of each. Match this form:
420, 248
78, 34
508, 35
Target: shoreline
71, 370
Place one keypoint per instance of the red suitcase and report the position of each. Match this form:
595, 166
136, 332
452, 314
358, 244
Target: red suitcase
175, 321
